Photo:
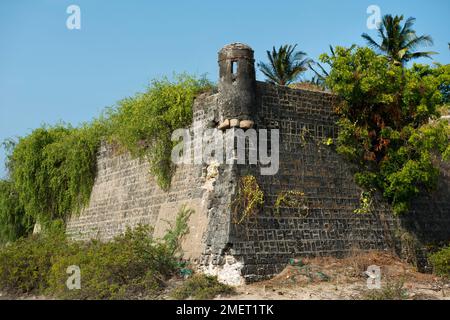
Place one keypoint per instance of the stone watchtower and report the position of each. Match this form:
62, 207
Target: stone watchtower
237, 85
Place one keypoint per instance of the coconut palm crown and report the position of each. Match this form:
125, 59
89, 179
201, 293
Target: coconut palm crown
399, 42
285, 65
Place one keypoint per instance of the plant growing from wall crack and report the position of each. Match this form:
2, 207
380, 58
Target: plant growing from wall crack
291, 199
365, 202
249, 199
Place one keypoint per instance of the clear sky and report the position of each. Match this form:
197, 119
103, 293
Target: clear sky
49, 73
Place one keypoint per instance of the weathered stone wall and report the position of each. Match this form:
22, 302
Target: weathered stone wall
125, 194
327, 225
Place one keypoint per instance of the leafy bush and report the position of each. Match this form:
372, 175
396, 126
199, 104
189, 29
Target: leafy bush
174, 236
130, 266
25, 264
133, 265
385, 127
14, 223
201, 287
441, 262
52, 170
144, 123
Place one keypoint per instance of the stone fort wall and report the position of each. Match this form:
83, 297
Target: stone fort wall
327, 224
125, 194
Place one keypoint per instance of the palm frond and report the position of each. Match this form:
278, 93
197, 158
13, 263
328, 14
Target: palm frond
371, 43
416, 55
285, 64
408, 24
398, 41
419, 41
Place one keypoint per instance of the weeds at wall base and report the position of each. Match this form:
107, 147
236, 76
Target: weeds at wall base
132, 266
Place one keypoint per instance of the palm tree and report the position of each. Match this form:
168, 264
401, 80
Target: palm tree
285, 65
399, 42
321, 74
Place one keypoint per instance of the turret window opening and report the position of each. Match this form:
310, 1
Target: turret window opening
234, 69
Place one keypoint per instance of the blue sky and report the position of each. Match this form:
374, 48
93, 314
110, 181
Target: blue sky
49, 73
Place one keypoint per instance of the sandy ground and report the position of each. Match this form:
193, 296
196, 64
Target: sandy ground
343, 279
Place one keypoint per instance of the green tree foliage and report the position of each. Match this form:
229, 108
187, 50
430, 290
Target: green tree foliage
52, 170
14, 223
398, 42
26, 263
441, 262
320, 73
285, 65
144, 123
389, 121
132, 265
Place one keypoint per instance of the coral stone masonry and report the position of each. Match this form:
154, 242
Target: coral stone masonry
322, 223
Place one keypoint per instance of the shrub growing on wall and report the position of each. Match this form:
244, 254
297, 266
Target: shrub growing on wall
14, 223
248, 201
385, 112
144, 123
52, 170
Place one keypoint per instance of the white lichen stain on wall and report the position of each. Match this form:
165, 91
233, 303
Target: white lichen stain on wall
212, 172
228, 273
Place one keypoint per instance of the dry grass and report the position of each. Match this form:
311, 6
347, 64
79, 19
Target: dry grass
333, 278
306, 86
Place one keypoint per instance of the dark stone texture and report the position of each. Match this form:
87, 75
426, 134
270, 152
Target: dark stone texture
237, 82
330, 227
